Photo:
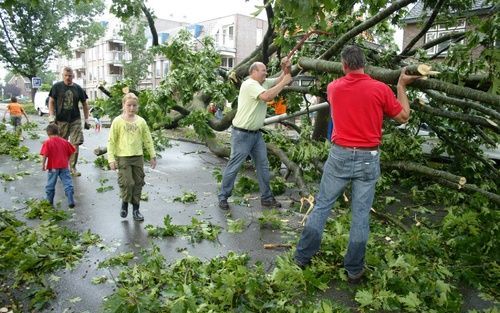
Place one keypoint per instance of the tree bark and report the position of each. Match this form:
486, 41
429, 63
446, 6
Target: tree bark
296, 171
392, 76
471, 119
424, 170
464, 104
471, 189
320, 129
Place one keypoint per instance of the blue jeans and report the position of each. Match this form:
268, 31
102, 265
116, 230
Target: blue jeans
244, 144
50, 189
362, 168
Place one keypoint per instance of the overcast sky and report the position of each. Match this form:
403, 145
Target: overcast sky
199, 10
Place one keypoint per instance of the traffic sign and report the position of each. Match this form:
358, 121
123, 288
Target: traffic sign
36, 82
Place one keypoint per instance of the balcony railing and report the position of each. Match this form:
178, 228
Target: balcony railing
77, 64
115, 58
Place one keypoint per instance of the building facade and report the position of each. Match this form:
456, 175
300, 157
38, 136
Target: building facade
413, 25
236, 36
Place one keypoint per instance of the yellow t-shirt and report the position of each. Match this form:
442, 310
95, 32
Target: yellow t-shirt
251, 110
129, 138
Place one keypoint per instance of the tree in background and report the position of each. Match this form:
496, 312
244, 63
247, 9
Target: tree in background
136, 65
33, 32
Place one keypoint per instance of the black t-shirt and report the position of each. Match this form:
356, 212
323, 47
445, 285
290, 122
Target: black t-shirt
66, 100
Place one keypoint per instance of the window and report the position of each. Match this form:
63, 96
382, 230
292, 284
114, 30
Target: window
158, 68
150, 70
217, 37
165, 68
258, 36
438, 31
224, 33
227, 62
231, 32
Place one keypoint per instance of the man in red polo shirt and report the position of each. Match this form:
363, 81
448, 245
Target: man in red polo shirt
358, 104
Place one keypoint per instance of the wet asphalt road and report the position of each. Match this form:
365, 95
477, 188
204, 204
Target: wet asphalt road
183, 167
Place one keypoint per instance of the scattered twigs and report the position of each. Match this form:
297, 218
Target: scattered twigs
310, 201
276, 245
390, 219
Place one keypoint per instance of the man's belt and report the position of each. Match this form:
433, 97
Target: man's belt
357, 148
246, 130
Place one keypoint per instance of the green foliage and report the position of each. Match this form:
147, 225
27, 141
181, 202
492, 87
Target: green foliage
42, 209
102, 163
134, 35
120, 260
279, 185
198, 119
196, 232
271, 219
235, 226
18, 175
29, 254
217, 174
187, 197
37, 30
103, 187
222, 284
245, 185
194, 70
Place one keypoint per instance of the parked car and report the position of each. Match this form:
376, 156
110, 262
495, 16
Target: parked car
41, 102
432, 142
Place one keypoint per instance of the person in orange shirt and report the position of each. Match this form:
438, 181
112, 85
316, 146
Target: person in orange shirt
280, 107
16, 112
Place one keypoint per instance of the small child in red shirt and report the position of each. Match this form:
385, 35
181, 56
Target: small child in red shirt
56, 152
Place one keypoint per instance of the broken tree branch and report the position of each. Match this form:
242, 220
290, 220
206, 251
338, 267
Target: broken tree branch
392, 76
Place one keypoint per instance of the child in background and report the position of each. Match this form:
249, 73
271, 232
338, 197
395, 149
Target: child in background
56, 152
128, 135
16, 112
96, 114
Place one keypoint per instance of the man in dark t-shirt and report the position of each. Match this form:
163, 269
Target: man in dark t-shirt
64, 98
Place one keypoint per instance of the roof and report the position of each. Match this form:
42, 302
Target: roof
479, 7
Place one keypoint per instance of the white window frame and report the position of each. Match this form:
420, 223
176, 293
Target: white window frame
438, 31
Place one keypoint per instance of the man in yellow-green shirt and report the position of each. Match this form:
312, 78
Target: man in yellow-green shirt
246, 138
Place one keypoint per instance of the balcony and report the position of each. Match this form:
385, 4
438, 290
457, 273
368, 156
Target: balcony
81, 81
78, 64
115, 57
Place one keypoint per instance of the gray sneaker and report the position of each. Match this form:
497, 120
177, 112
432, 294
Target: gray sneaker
270, 203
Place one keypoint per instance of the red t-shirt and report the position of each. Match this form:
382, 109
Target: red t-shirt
57, 150
357, 105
